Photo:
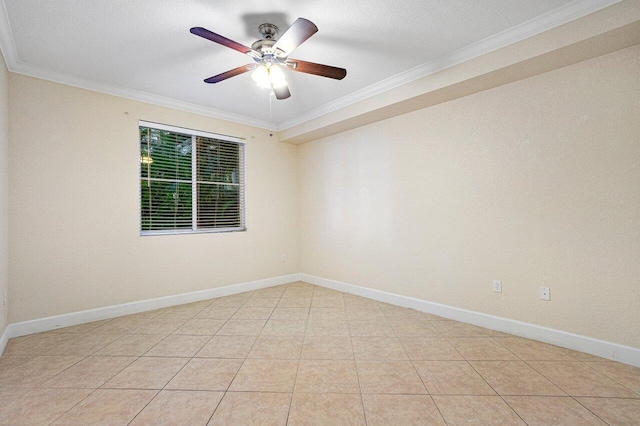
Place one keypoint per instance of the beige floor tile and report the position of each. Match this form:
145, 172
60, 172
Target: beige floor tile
398, 312
403, 410
107, 407
326, 409
352, 301
146, 314
413, 328
494, 333
314, 327
227, 347
120, 325
515, 378
389, 377
131, 345
365, 314
182, 311
262, 375
615, 411
179, 408
266, 302
40, 406
83, 344
285, 328
626, 375
327, 347
242, 328
430, 349
323, 291
290, 313
82, 328
11, 394
160, 326
147, 373
477, 410
271, 292
252, 313
481, 348
91, 372
178, 345
543, 410
373, 328
383, 348
218, 312
277, 347
329, 301
294, 302
201, 326
211, 374
235, 300
452, 378
35, 344
457, 329
336, 314
578, 379
252, 409
327, 376
32, 371
297, 292
530, 350
327, 327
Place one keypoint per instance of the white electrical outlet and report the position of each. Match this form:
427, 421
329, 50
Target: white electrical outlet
283, 258
497, 286
545, 293
4, 298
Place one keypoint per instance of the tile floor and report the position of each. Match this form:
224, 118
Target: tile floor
300, 354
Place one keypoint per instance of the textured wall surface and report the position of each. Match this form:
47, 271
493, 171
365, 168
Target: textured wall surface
75, 241
536, 183
4, 191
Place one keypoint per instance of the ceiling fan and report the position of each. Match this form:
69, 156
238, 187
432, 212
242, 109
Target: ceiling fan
270, 56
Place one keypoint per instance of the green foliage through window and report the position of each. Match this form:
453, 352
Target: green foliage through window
169, 186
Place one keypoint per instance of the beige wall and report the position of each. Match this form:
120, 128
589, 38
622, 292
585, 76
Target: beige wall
74, 211
536, 183
4, 192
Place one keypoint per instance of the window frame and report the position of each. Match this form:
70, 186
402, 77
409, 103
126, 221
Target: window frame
194, 180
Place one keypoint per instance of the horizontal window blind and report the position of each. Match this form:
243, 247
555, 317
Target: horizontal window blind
190, 181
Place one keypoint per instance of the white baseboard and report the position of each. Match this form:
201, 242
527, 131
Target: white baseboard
82, 317
4, 339
601, 348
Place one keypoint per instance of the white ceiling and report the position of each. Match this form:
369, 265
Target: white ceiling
142, 49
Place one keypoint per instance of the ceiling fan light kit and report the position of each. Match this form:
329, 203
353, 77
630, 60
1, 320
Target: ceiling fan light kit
271, 56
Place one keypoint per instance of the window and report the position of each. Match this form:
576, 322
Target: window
190, 181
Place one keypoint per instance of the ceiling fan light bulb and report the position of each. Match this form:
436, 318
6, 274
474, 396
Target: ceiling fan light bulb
261, 76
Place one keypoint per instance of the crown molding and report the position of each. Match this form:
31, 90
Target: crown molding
542, 23
552, 19
136, 95
7, 43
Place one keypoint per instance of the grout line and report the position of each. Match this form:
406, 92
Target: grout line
74, 406
145, 406
355, 364
300, 357
416, 370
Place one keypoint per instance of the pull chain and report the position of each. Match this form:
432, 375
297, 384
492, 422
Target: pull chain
270, 111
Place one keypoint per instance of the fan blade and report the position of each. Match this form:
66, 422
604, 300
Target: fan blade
317, 69
228, 74
297, 34
217, 38
281, 92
